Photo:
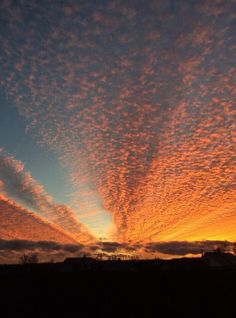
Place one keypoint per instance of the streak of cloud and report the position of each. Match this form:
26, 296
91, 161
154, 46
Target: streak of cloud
20, 223
46, 246
20, 185
185, 248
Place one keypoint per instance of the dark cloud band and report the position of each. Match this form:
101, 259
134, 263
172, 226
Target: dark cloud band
167, 248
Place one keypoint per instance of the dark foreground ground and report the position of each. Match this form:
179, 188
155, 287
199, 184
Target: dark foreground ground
146, 293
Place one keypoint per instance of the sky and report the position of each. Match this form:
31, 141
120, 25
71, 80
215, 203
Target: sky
117, 126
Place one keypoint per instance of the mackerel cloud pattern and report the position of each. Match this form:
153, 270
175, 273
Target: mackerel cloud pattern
137, 99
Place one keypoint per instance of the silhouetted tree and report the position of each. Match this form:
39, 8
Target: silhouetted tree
234, 250
31, 258
224, 247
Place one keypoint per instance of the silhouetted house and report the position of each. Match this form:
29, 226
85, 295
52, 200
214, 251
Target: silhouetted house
219, 259
71, 264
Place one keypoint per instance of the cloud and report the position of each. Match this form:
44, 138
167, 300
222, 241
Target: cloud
12, 250
20, 185
176, 248
113, 247
143, 121
165, 249
185, 248
46, 246
20, 223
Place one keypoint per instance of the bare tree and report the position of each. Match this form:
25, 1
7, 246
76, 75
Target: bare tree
31, 258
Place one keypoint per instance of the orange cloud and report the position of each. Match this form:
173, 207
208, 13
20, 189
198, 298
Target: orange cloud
20, 185
20, 223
